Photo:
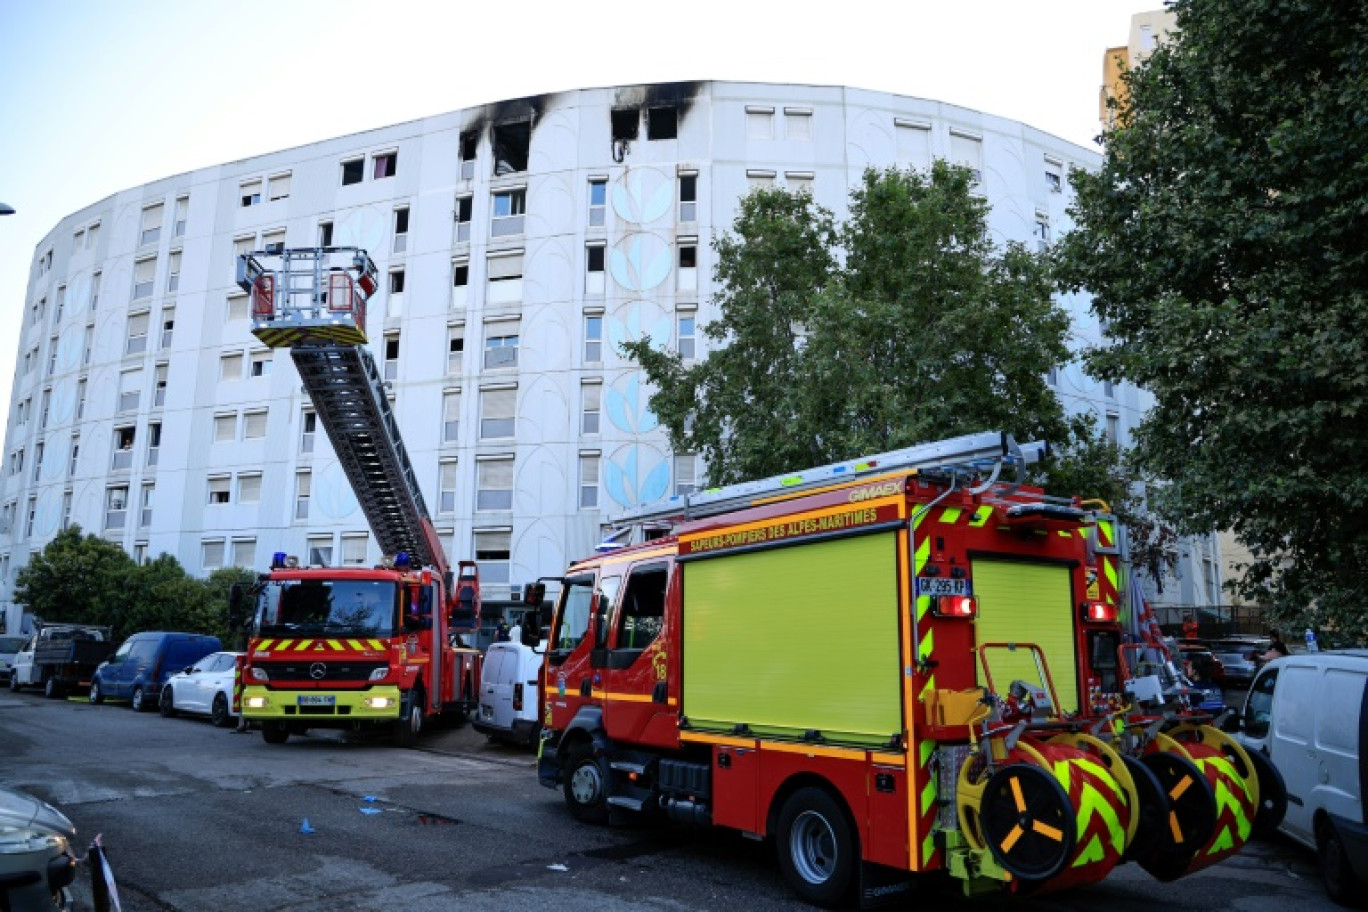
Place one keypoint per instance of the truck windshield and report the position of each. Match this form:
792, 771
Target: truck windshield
358, 607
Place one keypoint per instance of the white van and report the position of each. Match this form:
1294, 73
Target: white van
1309, 714
510, 693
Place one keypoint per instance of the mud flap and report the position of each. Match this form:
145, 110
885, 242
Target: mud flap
882, 886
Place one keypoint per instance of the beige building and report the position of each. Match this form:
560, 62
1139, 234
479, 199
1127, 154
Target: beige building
1146, 31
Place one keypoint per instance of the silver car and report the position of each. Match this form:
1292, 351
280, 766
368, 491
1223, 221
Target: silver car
9, 648
1241, 656
37, 866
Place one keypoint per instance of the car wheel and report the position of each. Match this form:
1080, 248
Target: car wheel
167, 704
818, 854
14, 683
586, 785
52, 689
138, 700
274, 732
96, 694
219, 713
1341, 884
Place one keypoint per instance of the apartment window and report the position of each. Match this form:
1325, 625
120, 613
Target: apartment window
966, 150
505, 278
260, 365
80, 399
1042, 230
52, 356
225, 427
497, 410
168, 327
688, 197
309, 424
46, 407
303, 481
508, 211
354, 549
78, 240
16, 462
493, 555
799, 181
182, 213
151, 225
598, 202
173, 268
153, 442
130, 390
401, 227
465, 205
254, 425
686, 323
144, 271
512, 143
494, 484
278, 186
470, 144
386, 164
66, 515
760, 179
662, 123
501, 345
75, 455
95, 291
249, 488
250, 193
325, 234
396, 281
759, 123
92, 236
455, 348
320, 550
798, 124
220, 489
451, 416
588, 480
273, 241
591, 395
391, 367
159, 378
211, 554
61, 303
685, 473
446, 486
688, 264
136, 342
243, 246
31, 515
1113, 428
244, 552
38, 460
594, 279
145, 506
593, 338
230, 367
353, 171
116, 506
237, 307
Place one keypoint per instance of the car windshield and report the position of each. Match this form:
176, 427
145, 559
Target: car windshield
363, 607
11, 644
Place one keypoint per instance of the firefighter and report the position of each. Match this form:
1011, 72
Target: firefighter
1190, 627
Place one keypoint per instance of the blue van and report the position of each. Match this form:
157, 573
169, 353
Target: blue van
139, 668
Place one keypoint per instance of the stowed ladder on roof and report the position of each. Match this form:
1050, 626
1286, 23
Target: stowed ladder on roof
970, 458
314, 303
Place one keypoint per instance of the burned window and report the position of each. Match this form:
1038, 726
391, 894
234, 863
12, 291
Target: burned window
469, 143
353, 171
626, 122
662, 123
511, 144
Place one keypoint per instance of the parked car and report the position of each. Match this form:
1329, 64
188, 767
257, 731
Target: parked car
138, 670
509, 693
1201, 664
205, 688
60, 658
1308, 713
9, 649
1241, 657
37, 860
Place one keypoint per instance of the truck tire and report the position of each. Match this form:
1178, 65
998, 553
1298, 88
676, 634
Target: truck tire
274, 732
96, 694
137, 701
219, 713
167, 704
586, 785
410, 721
52, 689
818, 851
14, 682
1341, 884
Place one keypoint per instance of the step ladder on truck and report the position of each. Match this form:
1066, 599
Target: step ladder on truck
896, 665
352, 647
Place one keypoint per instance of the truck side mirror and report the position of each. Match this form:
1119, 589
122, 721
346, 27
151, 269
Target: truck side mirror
236, 596
531, 630
534, 593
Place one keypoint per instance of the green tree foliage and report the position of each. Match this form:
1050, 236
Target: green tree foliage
1223, 243
904, 324
85, 579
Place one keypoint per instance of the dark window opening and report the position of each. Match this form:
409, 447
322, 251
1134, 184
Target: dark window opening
353, 171
626, 123
401, 221
397, 282
325, 234
386, 165
511, 144
469, 143
460, 276
688, 257
596, 259
662, 123
688, 188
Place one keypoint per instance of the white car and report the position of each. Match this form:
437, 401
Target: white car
205, 688
10, 647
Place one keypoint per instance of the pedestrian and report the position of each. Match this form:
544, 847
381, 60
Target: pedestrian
1276, 647
1190, 627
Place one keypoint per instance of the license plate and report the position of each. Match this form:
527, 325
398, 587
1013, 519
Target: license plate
316, 700
942, 585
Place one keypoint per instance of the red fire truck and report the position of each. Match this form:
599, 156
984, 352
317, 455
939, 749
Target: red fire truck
892, 666
353, 647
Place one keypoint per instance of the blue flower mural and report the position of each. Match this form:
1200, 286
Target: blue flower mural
640, 262
643, 195
628, 406
636, 322
635, 475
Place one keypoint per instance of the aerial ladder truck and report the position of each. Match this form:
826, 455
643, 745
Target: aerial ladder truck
352, 647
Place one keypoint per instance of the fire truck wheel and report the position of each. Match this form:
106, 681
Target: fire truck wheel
138, 700
818, 851
96, 694
167, 704
586, 785
274, 732
219, 713
410, 721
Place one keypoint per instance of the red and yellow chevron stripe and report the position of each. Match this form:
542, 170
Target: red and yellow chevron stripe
320, 645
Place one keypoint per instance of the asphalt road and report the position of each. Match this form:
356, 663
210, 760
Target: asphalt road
198, 819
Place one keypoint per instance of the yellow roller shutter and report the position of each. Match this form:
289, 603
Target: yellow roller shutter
1027, 603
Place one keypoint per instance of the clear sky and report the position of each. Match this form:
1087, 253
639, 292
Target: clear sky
100, 95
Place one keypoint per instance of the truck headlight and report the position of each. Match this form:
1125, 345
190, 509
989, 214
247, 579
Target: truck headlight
379, 702
256, 702
259, 674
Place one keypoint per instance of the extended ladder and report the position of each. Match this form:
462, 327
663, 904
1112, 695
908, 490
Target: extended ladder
970, 458
314, 303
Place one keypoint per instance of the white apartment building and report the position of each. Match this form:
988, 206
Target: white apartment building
519, 243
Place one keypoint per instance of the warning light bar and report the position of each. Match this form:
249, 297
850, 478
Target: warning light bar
955, 606
1098, 612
